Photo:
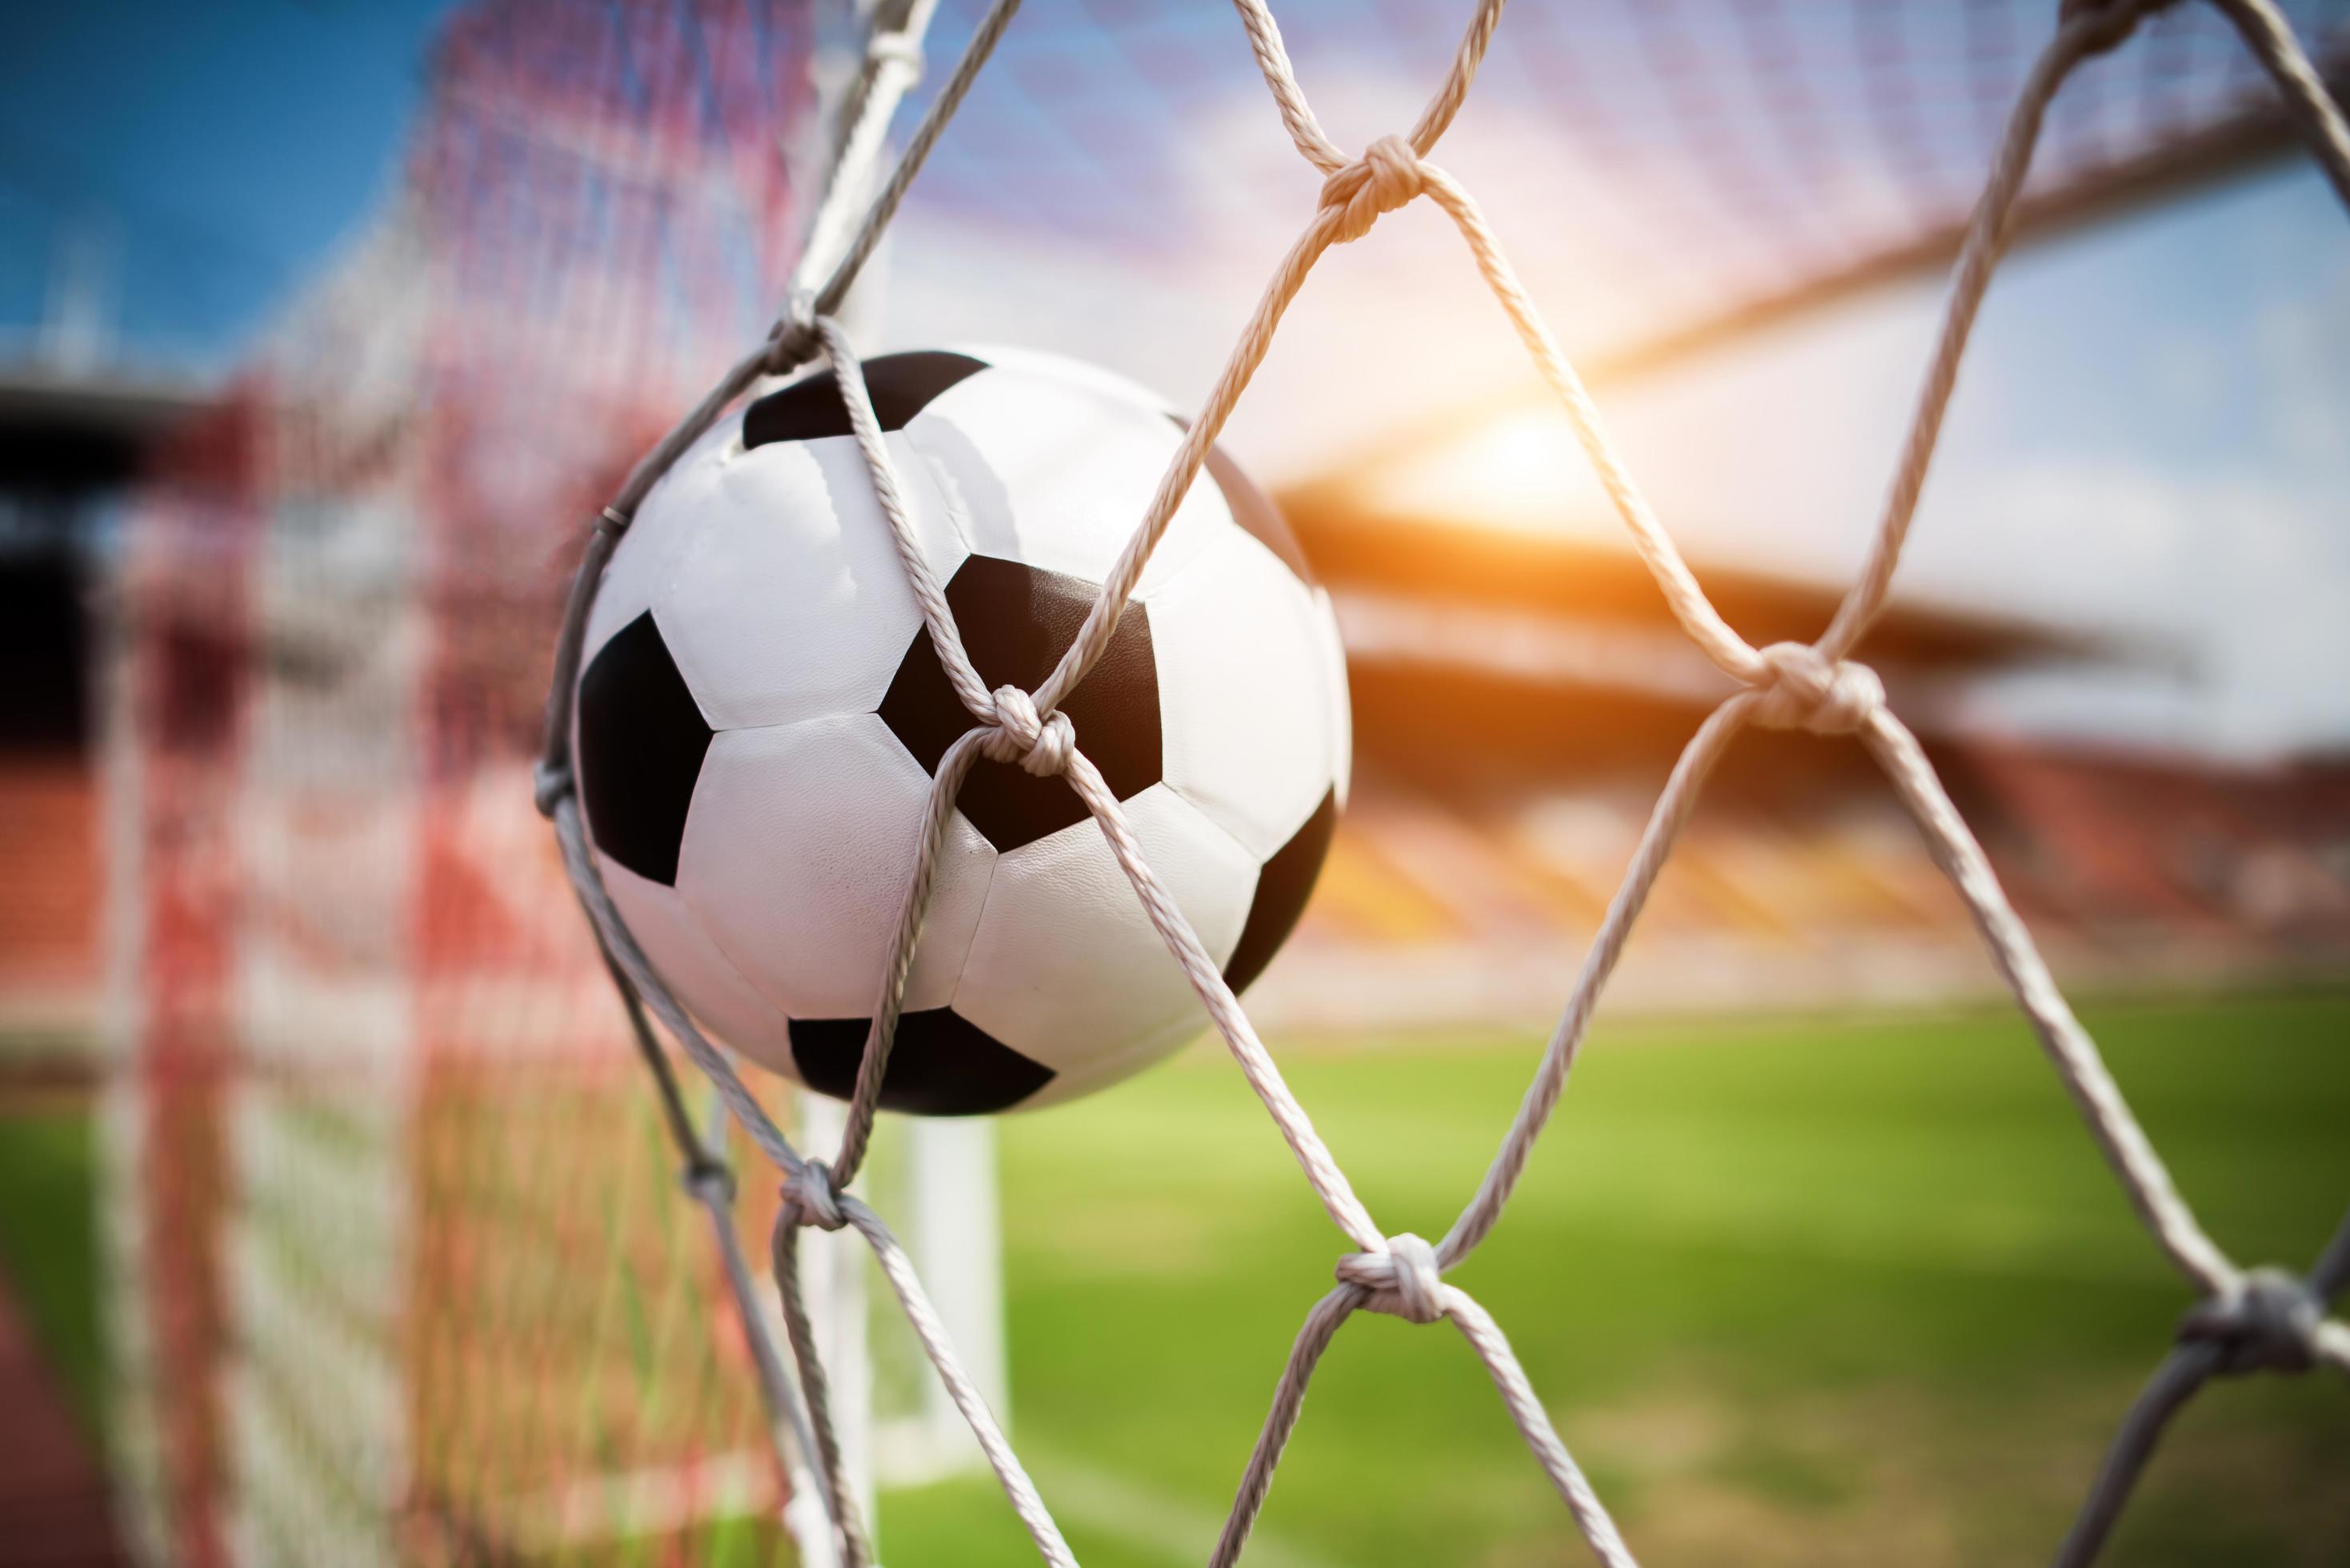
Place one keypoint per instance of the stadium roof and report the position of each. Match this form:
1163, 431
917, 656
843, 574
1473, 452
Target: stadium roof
63, 432
1455, 559
1663, 173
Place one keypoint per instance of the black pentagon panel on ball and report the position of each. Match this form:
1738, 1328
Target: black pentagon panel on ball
1282, 889
941, 1064
900, 385
642, 740
1016, 620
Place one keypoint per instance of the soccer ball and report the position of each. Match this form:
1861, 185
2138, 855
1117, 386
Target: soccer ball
759, 710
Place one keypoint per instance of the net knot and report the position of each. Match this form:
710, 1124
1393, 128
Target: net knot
2267, 1320
1384, 178
1804, 691
1406, 1279
1040, 744
809, 1199
550, 783
792, 341
899, 49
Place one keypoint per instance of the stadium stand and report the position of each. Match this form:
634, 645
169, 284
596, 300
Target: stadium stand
1455, 895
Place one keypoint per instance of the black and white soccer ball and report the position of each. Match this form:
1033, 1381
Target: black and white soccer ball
759, 708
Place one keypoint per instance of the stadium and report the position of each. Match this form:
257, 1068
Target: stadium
361, 1202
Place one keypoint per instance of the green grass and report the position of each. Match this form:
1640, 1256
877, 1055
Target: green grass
49, 1238
1816, 1292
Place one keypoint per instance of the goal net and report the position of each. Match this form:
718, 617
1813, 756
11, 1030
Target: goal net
402, 1267
410, 1274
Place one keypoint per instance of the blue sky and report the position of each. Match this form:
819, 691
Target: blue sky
2147, 437
211, 150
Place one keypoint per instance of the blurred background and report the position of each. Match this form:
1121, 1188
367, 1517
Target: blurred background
336, 1222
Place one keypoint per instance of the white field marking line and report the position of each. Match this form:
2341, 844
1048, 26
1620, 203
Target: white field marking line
1151, 1521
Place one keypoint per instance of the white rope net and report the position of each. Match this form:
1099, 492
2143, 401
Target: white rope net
2244, 1319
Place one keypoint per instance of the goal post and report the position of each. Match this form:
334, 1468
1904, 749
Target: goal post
403, 1266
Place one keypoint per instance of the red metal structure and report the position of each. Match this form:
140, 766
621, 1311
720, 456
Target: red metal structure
382, 1303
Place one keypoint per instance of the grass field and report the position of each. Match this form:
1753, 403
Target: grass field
1818, 1292
1810, 1292
49, 1236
